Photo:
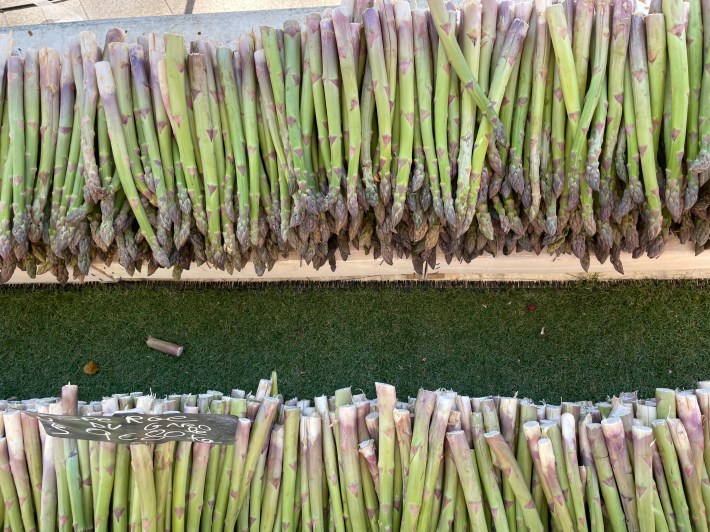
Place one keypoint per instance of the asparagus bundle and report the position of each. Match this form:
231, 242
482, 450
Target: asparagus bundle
440, 461
450, 132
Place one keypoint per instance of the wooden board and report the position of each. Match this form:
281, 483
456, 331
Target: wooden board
676, 262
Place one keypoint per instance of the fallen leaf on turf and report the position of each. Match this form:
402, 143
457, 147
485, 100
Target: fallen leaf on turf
91, 368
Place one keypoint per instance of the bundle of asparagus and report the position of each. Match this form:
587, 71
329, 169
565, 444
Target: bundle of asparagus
494, 126
440, 461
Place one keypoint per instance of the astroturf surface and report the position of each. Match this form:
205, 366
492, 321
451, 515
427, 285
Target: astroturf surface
572, 341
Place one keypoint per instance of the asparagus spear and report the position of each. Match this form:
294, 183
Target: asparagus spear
172, 84
15, 75
146, 123
204, 125
107, 89
424, 79
49, 81
405, 86
680, 93
424, 408
31, 87
341, 28
662, 434
695, 71
644, 130
512, 47
447, 36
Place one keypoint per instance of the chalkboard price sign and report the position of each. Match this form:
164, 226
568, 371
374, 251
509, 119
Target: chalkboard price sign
137, 428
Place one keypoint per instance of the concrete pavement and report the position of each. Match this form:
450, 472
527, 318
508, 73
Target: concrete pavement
43, 11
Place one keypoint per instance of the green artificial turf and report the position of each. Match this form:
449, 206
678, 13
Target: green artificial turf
570, 341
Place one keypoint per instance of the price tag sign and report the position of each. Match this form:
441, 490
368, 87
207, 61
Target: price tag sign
138, 428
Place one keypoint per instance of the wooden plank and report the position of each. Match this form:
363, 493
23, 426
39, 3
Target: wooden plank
677, 262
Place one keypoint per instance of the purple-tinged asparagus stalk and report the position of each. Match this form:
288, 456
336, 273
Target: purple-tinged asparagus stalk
48, 505
107, 89
15, 76
569, 444
315, 472
172, 87
425, 92
18, 466
614, 435
12, 515
291, 422
141, 88
512, 47
331, 84
511, 471
441, 120
89, 56
247, 178
412, 505
142, 463
331, 463
643, 476
605, 473
347, 431
435, 451
696, 494
403, 427
662, 489
341, 27
368, 455
49, 83
64, 136
657, 63
468, 475
6, 43
229, 509
644, 129
31, 87
206, 145
33, 453
458, 62
669, 459
680, 94
689, 413
703, 396
269, 111
378, 66
593, 496
406, 88
487, 473
386, 402
156, 53
274, 470
260, 431
556, 502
